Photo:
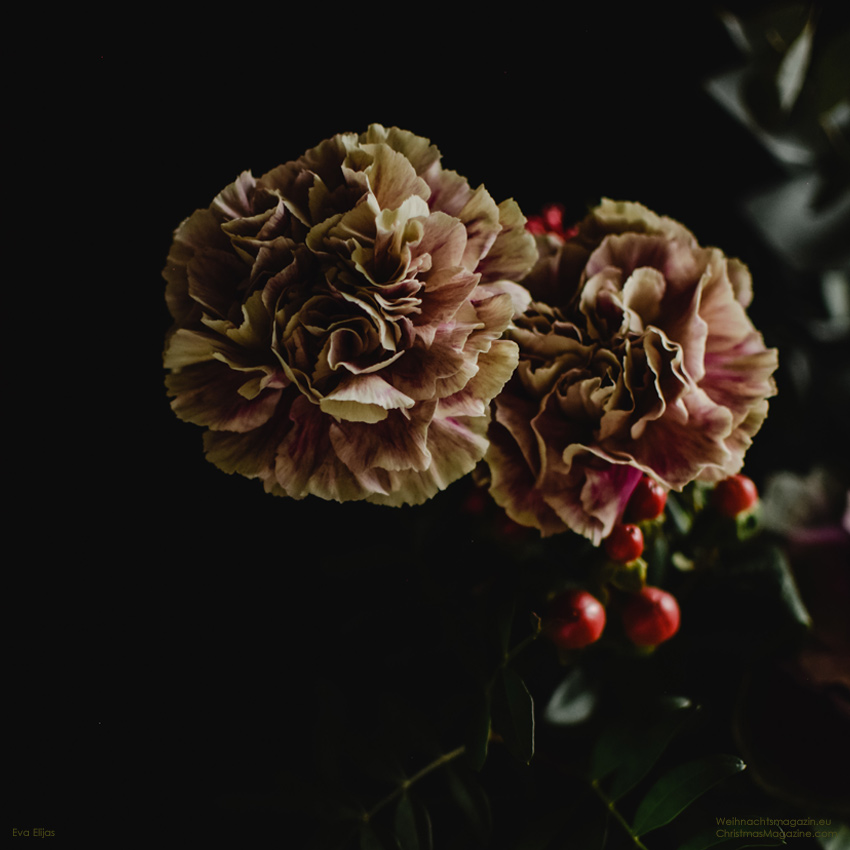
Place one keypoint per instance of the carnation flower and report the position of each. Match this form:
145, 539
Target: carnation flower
338, 321
637, 357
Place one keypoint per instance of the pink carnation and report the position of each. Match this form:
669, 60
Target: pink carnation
338, 322
636, 356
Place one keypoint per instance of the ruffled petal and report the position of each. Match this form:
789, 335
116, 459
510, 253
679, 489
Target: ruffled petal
637, 357
336, 306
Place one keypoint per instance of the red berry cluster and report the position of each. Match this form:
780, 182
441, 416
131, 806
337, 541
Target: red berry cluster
649, 616
625, 542
576, 618
551, 220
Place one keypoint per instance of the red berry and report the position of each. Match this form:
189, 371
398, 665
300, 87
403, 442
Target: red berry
624, 543
647, 501
651, 616
734, 495
535, 225
550, 220
574, 619
553, 217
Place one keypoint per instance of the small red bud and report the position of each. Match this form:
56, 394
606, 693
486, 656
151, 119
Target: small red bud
551, 220
647, 501
651, 616
535, 225
624, 543
574, 619
734, 495
553, 217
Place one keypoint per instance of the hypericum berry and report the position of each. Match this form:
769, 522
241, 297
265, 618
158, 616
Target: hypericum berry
574, 619
647, 501
551, 220
624, 543
651, 616
553, 217
734, 495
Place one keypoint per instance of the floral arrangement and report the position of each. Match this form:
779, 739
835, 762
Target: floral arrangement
360, 324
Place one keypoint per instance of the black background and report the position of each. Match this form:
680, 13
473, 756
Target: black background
169, 618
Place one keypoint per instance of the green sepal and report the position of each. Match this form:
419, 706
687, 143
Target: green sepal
630, 577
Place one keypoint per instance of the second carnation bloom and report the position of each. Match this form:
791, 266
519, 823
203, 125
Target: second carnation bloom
637, 358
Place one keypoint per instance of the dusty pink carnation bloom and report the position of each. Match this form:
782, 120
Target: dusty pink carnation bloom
338, 321
636, 356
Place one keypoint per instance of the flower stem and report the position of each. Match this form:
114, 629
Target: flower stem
609, 804
429, 768
510, 655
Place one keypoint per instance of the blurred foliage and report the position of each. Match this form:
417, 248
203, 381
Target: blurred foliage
792, 93
790, 90
465, 727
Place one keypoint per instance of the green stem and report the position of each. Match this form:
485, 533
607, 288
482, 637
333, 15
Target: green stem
447, 757
609, 804
402, 788
527, 641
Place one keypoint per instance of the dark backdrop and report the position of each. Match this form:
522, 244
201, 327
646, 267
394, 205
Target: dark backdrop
184, 616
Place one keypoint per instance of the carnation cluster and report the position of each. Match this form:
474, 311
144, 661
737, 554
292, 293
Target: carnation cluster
339, 322
362, 324
637, 359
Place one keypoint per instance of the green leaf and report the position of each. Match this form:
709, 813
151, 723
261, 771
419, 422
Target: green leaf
412, 824
678, 788
840, 840
573, 701
513, 714
679, 516
368, 839
763, 571
472, 799
478, 733
710, 839
792, 69
629, 747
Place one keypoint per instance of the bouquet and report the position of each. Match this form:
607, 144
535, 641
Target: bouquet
560, 411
